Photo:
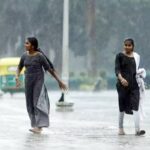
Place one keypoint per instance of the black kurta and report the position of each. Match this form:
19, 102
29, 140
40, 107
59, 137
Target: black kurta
128, 96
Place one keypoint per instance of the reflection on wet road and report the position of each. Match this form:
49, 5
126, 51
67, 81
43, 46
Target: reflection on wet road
90, 124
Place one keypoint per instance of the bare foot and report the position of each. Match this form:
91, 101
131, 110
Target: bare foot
36, 130
121, 131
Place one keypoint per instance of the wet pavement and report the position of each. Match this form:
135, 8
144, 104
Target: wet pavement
90, 124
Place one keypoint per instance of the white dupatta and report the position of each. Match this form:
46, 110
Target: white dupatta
139, 81
141, 74
137, 60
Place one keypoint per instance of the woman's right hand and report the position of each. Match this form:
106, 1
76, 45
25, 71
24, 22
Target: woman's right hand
124, 82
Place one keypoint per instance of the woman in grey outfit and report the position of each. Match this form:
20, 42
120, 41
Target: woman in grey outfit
37, 100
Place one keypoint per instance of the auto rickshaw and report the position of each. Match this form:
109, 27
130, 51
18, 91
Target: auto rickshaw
8, 67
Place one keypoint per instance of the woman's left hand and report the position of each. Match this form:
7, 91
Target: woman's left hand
63, 86
18, 83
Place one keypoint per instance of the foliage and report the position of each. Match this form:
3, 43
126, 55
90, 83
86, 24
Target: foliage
114, 21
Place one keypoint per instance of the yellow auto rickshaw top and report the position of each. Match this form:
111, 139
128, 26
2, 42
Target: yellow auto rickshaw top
9, 65
9, 61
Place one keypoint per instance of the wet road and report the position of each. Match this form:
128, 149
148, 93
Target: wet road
90, 124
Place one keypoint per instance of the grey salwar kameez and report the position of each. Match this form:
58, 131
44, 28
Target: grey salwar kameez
37, 100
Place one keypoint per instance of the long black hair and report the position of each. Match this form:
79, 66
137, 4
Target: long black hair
34, 42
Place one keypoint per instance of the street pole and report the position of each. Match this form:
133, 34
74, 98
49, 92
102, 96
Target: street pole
65, 46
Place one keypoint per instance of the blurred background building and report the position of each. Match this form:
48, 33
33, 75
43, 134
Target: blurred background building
97, 29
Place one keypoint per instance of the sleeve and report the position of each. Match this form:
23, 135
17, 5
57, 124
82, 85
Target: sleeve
21, 63
117, 65
45, 63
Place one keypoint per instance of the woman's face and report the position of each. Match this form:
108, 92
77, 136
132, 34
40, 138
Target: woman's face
128, 47
28, 45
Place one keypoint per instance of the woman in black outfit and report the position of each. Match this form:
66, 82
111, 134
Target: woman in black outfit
127, 87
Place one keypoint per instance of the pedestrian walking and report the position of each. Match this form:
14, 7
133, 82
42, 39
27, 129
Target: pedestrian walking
126, 67
37, 100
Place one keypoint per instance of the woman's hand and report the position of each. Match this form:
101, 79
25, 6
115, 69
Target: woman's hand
124, 82
63, 86
18, 83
